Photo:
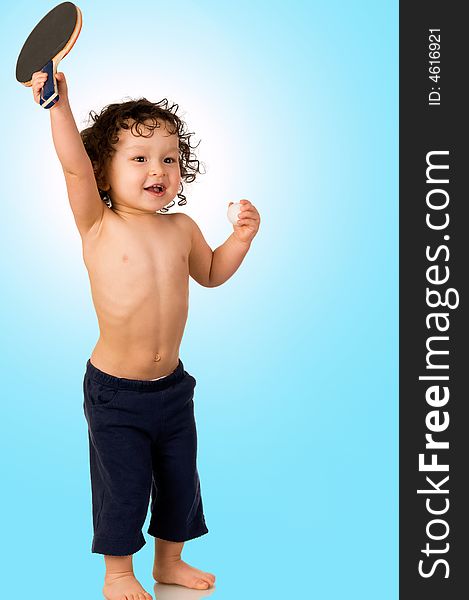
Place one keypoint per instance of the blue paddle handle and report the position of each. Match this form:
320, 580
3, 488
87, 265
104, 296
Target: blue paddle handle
49, 92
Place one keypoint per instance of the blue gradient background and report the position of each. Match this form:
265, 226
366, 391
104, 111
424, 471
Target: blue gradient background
296, 107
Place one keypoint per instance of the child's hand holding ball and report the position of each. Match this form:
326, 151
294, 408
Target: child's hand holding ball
245, 219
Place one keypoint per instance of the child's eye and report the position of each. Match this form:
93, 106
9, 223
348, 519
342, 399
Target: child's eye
138, 157
171, 159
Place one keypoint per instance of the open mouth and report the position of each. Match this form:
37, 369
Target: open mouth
156, 190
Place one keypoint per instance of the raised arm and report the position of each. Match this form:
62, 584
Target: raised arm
85, 201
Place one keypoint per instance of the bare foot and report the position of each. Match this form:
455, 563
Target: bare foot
124, 586
179, 572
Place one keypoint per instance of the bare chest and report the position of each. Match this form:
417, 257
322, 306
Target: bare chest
127, 262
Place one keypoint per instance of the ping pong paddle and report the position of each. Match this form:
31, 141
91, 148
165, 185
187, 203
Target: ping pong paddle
51, 40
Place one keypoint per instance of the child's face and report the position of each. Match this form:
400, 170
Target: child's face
139, 162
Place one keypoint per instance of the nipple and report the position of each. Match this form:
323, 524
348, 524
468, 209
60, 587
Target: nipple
157, 358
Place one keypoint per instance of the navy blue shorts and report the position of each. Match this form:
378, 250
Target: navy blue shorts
142, 440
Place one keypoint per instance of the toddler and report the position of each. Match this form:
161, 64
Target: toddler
122, 175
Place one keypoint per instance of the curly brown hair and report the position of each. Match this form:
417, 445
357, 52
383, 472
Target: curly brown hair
99, 138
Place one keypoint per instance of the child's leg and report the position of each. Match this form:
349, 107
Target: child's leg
169, 568
121, 475
177, 509
120, 581
118, 564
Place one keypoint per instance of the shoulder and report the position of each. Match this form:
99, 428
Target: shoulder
185, 222
182, 218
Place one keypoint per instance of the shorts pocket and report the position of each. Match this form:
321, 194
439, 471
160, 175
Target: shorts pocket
102, 395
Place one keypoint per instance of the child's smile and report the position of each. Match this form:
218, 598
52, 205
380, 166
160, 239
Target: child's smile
144, 173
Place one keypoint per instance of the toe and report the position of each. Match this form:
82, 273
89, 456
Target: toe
210, 578
201, 584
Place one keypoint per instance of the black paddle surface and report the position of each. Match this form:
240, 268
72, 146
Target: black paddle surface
51, 40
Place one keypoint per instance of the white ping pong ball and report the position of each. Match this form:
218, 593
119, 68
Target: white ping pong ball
233, 212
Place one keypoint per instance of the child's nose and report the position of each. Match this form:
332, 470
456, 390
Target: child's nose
157, 171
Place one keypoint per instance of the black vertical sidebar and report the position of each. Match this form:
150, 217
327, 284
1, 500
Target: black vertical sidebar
433, 299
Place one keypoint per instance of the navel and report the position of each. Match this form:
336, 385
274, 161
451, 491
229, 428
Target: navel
157, 358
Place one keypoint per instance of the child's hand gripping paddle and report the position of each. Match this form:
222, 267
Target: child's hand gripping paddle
51, 40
